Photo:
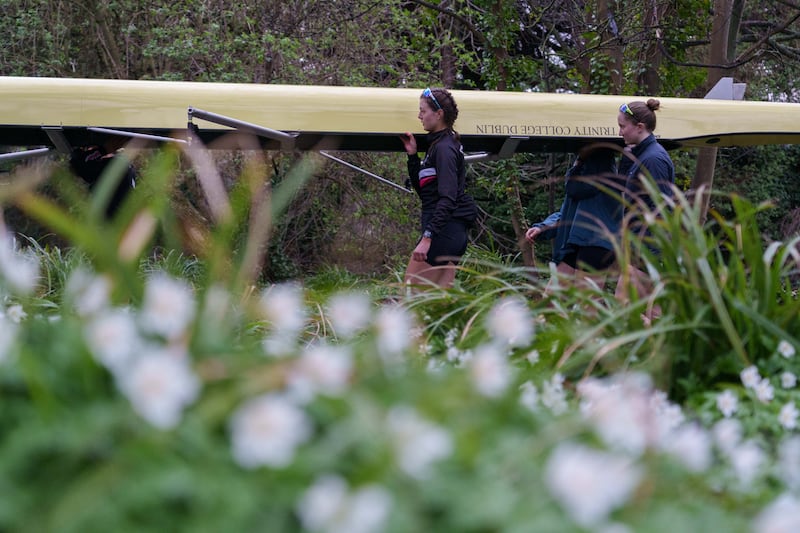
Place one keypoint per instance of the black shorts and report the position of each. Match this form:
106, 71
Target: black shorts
594, 257
449, 244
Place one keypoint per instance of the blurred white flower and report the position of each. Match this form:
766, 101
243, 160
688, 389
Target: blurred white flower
8, 335
786, 349
691, 445
395, 327
510, 322
788, 464
788, 380
727, 434
764, 391
553, 396
750, 377
321, 369
15, 313
490, 371
112, 338
282, 306
788, 416
450, 337
417, 442
424, 348
780, 516
89, 293
625, 413
454, 355
266, 430
529, 396
746, 459
435, 365
349, 312
613, 527
279, 344
19, 269
168, 306
328, 506
668, 415
727, 402
159, 386
533, 357
588, 483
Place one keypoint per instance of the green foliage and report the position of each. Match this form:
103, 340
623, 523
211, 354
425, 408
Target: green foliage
760, 174
82, 453
727, 299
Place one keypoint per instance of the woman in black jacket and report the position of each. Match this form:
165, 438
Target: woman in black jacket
440, 181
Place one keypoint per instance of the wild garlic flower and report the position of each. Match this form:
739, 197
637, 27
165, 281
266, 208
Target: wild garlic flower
168, 308
267, 430
747, 460
349, 313
321, 369
417, 443
19, 270
627, 413
159, 385
727, 403
553, 396
395, 329
330, 506
788, 416
590, 484
510, 323
788, 380
8, 336
788, 464
727, 434
89, 293
490, 371
529, 396
764, 391
690, 444
750, 377
780, 516
112, 338
15, 313
282, 307
786, 349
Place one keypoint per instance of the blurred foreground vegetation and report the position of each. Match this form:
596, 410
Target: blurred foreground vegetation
145, 388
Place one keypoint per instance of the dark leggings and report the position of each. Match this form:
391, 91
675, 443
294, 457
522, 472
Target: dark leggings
593, 257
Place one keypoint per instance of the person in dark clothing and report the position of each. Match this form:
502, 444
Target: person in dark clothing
589, 218
649, 161
90, 162
440, 181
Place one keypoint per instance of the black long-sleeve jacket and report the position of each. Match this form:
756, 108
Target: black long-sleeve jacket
440, 181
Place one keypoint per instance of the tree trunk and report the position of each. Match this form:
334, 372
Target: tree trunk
108, 40
613, 46
721, 47
649, 79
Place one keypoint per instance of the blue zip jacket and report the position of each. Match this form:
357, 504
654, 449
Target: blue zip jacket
654, 159
591, 212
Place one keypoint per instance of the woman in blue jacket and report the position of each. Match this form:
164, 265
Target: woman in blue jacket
440, 181
649, 161
589, 219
